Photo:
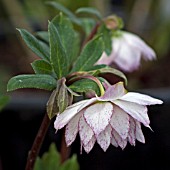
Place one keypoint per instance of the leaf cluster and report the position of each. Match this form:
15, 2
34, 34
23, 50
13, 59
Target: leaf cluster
63, 55
51, 161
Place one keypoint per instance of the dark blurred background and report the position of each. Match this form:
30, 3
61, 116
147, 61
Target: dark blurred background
20, 119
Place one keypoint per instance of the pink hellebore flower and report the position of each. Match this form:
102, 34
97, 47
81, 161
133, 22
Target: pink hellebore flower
114, 118
127, 50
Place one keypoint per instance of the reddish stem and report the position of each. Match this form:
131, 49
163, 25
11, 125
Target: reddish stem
92, 34
33, 153
65, 151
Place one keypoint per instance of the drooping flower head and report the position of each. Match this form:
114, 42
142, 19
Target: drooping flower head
127, 51
114, 118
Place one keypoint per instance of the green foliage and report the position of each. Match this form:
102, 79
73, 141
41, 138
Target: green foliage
85, 86
51, 161
69, 37
66, 11
89, 55
88, 24
59, 99
43, 35
37, 46
58, 57
107, 38
63, 61
3, 101
110, 70
39, 81
42, 67
89, 10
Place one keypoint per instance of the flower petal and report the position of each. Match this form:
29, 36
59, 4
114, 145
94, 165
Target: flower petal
90, 145
138, 112
72, 129
125, 55
114, 142
140, 99
113, 92
104, 59
132, 131
63, 118
87, 103
120, 122
121, 142
104, 138
136, 42
139, 134
98, 116
85, 131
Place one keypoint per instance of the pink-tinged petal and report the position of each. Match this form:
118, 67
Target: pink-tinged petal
113, 92
138, 112
139, 134
98, 116
120, 122
104, 138
127, 58
106, 84
89, 102
63, 118
121, 142
136, 42
114, 142
140, 99
90, 145
85, 131
104, 59
72, 129
132, 132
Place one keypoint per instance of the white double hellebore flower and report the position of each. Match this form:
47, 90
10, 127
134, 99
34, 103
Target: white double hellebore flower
127, 51
114, 118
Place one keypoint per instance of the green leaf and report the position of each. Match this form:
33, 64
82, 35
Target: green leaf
42, 67
112, 71
59, 99
38, 164
87, 25
58, 56
3, 101
90, 10
63, 98
70, 164
60, 7
89, 55
38, 47
52, 107
43, 35
97, 67
69, 37
51, 161
39, 81
84, 86
107, 39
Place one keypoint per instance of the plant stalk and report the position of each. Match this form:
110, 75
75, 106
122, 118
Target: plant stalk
33, 153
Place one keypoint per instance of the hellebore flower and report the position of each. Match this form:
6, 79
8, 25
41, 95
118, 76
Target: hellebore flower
127, 51
114, 118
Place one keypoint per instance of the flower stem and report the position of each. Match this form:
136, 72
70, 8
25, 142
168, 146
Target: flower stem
65, 151
92, 34
33, 153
